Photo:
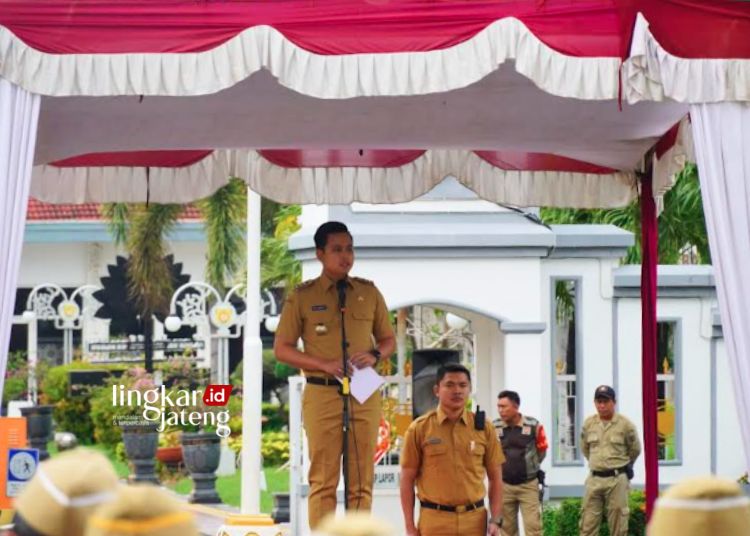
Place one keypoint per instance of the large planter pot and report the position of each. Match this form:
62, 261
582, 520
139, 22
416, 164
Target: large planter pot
169, 455
39, 427
280, 512
201, 453
141, 441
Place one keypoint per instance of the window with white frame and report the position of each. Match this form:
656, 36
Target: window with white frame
565, 409
667, 334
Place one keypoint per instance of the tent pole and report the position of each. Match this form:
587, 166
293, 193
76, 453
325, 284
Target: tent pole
649, 245
252, 366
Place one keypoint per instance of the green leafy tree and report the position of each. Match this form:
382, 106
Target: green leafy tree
681, 224
225, 215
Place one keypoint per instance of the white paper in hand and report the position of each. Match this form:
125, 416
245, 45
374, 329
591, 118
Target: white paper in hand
364, 383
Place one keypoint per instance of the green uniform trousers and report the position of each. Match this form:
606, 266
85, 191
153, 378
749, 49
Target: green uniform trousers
526, 497
610, 493
440, 523
322, 408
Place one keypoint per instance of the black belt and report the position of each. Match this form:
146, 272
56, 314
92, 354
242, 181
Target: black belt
518, 483
458, 509
315, 380
611, 472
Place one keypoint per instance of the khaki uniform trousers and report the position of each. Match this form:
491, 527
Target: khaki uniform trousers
526, 497
322, 409
610, 492
440, 523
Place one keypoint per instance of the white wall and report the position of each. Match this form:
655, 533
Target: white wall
74, 264
729, 450
595, 350
694, 365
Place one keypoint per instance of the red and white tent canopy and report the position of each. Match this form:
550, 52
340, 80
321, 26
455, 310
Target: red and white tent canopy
596, 83
442, 75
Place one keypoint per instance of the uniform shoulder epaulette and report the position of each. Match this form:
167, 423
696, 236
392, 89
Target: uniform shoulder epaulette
304, 284
425, 416
499, 423
363, 281
530, 421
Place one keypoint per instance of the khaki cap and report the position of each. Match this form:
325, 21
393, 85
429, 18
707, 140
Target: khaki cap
354, 524
701, 506
142, 509
65, 490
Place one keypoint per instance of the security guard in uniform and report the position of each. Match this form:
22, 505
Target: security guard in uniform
610, 443
447, 452
525, 446
312, 313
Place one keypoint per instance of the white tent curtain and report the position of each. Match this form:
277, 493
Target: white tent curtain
722, 146
19, 113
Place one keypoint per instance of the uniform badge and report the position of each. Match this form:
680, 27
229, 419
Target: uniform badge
321, 329
319, 307
526, 430
360, 298
434, 440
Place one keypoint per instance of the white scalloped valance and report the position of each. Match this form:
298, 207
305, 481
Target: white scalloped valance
653, 74
334, 185
315, 75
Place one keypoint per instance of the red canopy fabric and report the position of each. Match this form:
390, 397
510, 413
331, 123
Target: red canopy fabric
330, 27
687, 28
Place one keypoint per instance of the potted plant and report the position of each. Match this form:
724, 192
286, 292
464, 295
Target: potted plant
169, 451
201, 452
141, 440
39, 427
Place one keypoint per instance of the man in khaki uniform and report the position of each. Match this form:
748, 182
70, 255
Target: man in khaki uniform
447, 457
610, 443
525, 446
312, 313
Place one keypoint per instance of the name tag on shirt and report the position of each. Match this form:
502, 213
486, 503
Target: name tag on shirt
319, 307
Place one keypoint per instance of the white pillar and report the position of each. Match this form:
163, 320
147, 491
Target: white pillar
252, 366
32, 357
524, 369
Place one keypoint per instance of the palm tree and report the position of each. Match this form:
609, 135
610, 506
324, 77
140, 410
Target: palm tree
225, 215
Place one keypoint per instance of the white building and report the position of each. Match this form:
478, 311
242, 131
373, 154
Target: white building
499, 268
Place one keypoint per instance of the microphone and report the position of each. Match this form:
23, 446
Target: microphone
341, 287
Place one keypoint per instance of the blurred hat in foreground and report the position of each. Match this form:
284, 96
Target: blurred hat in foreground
142, 509
64, 492
700, 506
354, 524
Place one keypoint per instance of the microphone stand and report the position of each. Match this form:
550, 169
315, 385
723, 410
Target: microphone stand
344, 390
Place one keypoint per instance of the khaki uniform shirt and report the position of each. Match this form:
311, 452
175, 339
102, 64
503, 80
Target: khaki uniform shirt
451, 459
312, 312
609, 445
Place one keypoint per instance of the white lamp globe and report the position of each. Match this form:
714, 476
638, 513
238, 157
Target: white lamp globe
456, 322
172, 323
272, 323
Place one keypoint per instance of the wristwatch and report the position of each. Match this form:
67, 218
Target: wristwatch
377, 355
497, 521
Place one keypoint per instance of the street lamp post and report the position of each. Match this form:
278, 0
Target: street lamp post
199, 302
66, 315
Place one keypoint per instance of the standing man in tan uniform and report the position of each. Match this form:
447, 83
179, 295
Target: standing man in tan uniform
447, 454
610, 443
525, 446
312, 313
